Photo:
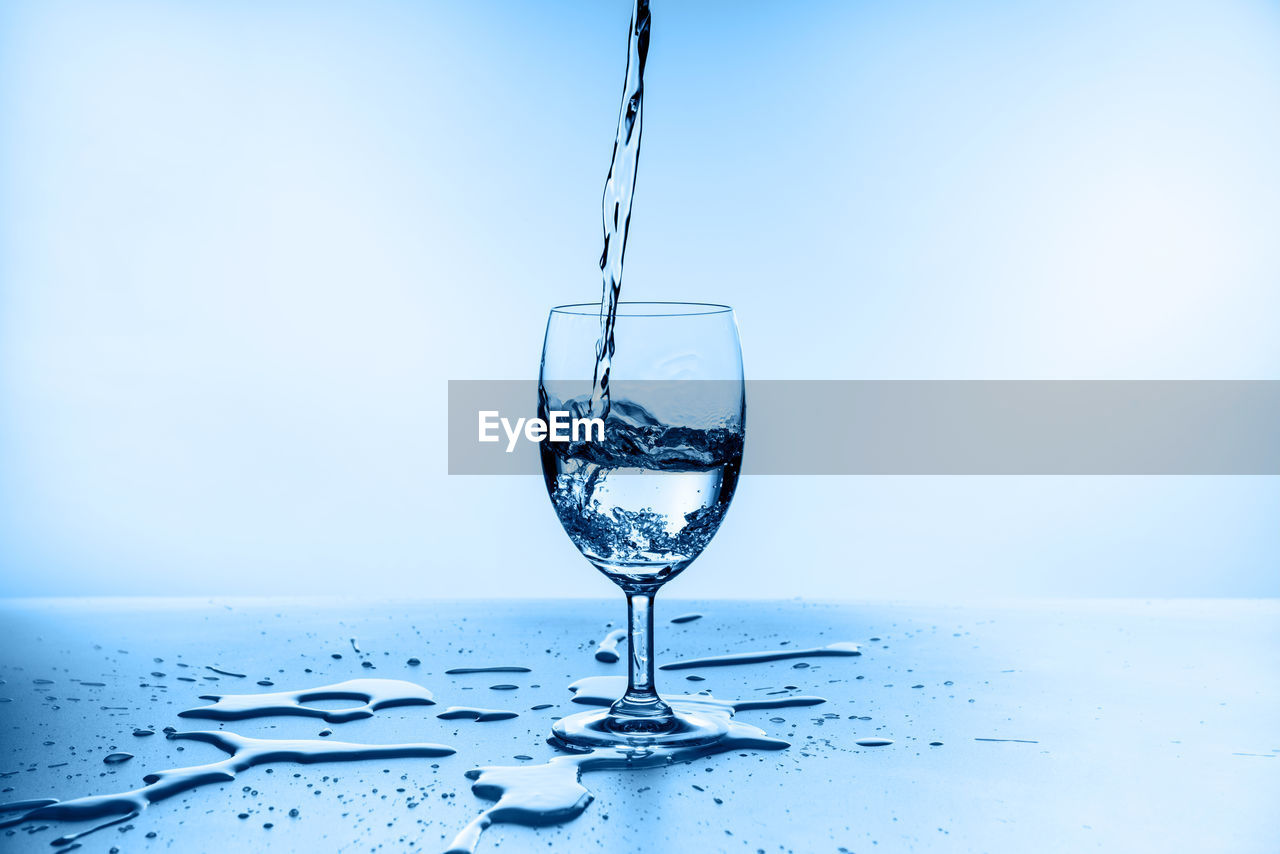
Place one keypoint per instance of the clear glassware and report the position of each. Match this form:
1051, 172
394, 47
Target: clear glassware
643, 504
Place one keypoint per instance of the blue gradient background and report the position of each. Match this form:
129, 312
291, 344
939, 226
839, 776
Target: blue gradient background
243, 246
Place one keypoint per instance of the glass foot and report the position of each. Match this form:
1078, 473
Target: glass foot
599, 728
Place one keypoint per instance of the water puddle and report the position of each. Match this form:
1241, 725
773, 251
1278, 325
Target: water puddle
242, 753
603, 690
372, 694
607, 651
476, 714
460, 670
833, 649
552, 793
22, 807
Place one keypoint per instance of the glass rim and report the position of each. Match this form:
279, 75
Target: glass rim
646, 308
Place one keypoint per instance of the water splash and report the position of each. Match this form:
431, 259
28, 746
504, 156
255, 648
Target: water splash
833, 649
619, 191
374, 694
476, 714
552, 793
243, 753
608, 649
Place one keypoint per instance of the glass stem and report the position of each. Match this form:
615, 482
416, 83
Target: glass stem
641, 700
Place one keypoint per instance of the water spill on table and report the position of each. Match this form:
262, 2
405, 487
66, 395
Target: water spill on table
532, 794
793, 799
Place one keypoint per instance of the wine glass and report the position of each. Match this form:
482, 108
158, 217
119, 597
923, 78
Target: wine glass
642, 504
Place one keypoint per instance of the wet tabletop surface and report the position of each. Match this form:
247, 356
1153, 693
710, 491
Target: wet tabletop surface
1114, 725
